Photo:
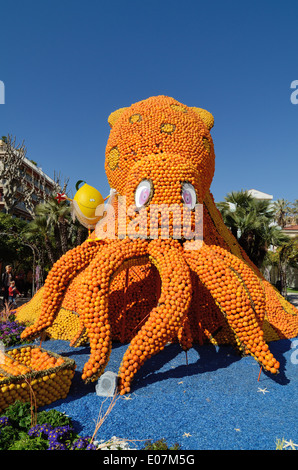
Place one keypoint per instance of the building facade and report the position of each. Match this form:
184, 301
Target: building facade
260, 195
33, 186
291, 231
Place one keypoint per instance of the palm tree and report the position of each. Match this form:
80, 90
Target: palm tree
294, 212
234, 210
252, 223
282, 211
38, 229
77, 233
58, 218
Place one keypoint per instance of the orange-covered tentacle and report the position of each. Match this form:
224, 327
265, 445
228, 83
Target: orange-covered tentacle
282, 315
223, 275
93, 299
249, 279
167, 317
184, 335
80, 334
57, 281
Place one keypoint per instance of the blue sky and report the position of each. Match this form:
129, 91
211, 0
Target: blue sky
68, 64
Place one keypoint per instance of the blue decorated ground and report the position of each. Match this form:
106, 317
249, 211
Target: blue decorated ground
215, 402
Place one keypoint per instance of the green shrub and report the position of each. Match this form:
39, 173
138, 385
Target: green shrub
19, 415
160, 445
8, 435
25, 442
54, 418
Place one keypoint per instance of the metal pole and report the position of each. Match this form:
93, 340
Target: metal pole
33, 274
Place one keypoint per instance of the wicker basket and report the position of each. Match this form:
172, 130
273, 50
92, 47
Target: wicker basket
24, 383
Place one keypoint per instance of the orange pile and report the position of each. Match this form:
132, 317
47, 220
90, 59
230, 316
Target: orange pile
12, 367
41, 360
33, 358
22, 355
30, 369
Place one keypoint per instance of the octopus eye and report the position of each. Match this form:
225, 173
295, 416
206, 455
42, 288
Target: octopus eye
143, 193
92, 200
189, 195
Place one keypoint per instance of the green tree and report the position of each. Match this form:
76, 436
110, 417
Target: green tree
294, 212
77, 233
12, 248
41, 241
38, 231
59, 220
285, 255
55, 230
15, 249
252, 223
282, 212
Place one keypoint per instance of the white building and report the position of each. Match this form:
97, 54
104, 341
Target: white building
40, 183
259, 195
290, 230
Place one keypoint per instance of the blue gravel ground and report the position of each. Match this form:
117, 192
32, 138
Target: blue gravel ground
214, 403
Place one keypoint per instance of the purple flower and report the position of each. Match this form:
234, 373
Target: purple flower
40, 430
60, 432
54, 445
4, 421
91, 446
83, 443
80, 443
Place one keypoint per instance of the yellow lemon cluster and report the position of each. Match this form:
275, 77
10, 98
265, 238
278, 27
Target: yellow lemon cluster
32, 370
66, 326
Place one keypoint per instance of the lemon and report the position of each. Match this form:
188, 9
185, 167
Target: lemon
88, 198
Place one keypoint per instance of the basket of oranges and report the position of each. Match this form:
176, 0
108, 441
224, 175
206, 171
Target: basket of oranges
31, 373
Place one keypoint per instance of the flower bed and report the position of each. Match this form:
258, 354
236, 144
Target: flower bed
10, 332
52, 430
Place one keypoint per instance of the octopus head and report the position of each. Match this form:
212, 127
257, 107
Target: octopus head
160, 131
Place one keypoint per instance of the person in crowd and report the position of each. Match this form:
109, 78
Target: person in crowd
278, 285
12, 293
7, 277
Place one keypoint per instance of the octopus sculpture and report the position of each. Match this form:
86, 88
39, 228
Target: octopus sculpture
161, 266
